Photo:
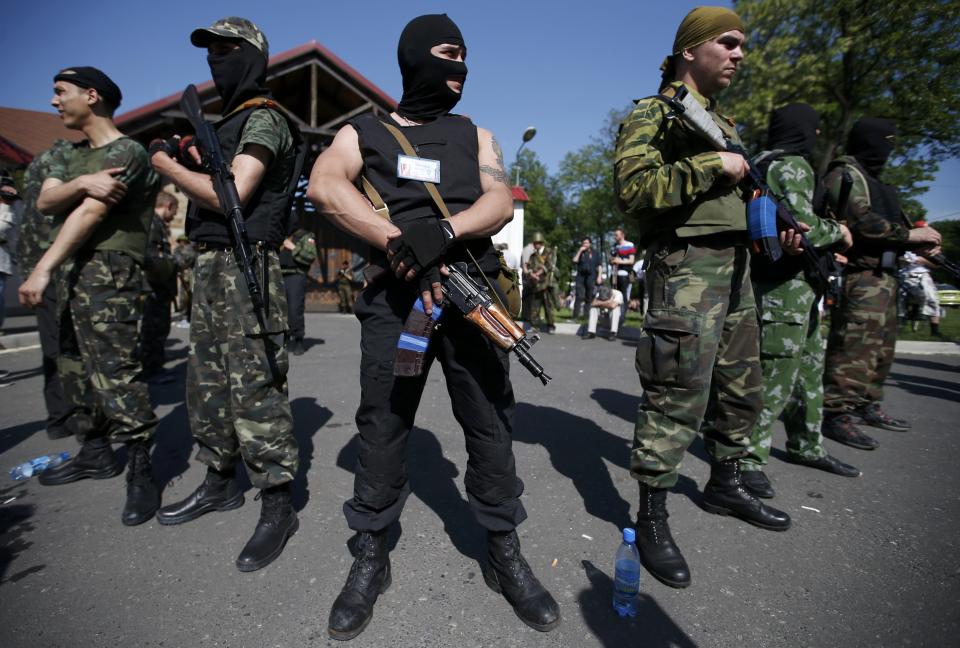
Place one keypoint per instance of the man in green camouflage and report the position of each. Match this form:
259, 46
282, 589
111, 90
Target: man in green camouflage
34, 240
863, 331
237, 399
297, 254
345, 287
698, 359
161, 275
101, 192
791, 348
540, 271
184, 257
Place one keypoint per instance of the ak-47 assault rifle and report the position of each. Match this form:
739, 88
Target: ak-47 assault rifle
474, 301
945, 264
213, 163
766, 217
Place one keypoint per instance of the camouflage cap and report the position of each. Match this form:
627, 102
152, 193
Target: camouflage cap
233, 28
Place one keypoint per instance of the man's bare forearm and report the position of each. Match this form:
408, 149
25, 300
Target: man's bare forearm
198, 187
75, 230
486, 217
62, 197
346, 208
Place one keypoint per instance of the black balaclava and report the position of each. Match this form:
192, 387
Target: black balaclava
871, 142
793, 129
425, 92
239, 75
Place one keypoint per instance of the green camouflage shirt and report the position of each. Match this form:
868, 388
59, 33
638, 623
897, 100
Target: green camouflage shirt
127, 224
270, 129
670, 177
793, 182
35, 228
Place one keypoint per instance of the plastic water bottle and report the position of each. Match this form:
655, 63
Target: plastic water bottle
30, 468
626, 581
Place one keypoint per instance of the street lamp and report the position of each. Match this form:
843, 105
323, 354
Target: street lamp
527, 136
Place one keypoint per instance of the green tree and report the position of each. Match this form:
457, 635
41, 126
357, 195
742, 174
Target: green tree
850, 58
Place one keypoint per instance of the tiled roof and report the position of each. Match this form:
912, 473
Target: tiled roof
32, 131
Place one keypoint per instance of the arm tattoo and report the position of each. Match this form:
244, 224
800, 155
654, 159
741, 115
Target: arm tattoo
497, 172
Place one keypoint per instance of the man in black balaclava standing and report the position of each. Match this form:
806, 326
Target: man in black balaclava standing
238, 413
791, 348
863, 331
466, 165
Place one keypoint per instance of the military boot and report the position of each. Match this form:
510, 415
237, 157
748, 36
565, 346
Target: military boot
143, 496
756, 482
219, 491
369, 578
841, 429
874, 416
95, 460
278, 522
507, 572
725, 495
658, 552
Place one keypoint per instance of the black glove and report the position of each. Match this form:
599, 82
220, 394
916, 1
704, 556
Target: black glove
168, 146
429, 277
421, 245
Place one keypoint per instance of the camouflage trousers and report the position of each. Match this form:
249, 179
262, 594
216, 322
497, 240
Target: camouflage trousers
863, 333
791, 355
345, 292
234, 407
698, 357
100, 303
541, 300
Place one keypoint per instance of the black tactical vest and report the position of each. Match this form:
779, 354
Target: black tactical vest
266, 213
452, 140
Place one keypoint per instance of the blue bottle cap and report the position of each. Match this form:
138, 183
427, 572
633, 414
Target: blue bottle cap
629, 535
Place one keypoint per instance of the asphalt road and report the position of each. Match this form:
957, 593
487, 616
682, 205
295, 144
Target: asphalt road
873, 561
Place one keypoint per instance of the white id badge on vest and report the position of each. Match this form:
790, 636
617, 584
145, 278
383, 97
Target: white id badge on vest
422, 169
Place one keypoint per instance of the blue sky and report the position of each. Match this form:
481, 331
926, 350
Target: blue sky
559, 66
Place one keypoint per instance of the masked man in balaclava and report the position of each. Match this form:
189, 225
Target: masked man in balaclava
419, 241
791, 348
238, 412
698, 358
863, 331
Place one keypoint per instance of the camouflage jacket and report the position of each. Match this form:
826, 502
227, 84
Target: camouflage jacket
791, 298
670, 177
540, 266
35, 228
871, 231
302, 256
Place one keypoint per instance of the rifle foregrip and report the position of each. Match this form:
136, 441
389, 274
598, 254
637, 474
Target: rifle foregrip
486, 320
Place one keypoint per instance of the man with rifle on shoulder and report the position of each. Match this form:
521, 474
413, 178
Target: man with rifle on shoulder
698, 359
237, 399
445, 200
791, 348
863, 331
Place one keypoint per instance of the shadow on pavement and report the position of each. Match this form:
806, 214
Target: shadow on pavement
433, 481
15, 527
579, 450
13, 436
651, 628
932, 387
926, 364
173, 445
308, 418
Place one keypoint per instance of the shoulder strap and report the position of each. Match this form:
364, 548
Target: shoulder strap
407, 148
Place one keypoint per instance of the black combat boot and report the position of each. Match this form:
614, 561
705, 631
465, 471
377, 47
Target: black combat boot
369, 578
218, 492
296, 346
143, 496
95, 460
725, 495
658, 552
278, 522
840, 428
874, 416
828, 464
507, 572
757, 483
